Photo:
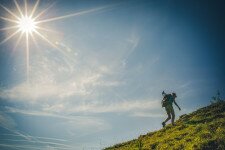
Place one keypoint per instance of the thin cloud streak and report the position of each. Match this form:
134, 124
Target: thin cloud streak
80, 121
32, 139
17, 146
147, 114
125, 106
38, 137
60, 145
6, 123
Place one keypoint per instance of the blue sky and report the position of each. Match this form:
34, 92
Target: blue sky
102, 83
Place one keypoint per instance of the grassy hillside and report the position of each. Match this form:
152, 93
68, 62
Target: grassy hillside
202, 129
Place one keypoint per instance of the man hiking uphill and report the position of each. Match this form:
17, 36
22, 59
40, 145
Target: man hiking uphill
167, 102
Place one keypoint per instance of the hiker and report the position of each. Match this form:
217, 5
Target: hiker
167, 102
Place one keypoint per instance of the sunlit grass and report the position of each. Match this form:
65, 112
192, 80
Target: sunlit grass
202, 129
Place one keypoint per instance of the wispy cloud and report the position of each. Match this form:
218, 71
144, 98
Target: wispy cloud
37, 137
22, 140
147, 114
36, 91
77, 121
135, 108
119, 106
64, 73
59, 145
82, 85
20, 146
6, 121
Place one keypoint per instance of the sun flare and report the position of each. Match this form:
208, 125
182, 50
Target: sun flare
27, 24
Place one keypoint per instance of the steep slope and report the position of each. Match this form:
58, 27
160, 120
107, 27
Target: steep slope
202, 129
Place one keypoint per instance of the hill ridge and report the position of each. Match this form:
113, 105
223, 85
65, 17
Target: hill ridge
201, 129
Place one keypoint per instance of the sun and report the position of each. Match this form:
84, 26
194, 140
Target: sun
27, 25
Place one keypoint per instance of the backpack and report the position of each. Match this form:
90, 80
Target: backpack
167, 100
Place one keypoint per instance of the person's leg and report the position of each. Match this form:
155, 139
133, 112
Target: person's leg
173, 115
168, 117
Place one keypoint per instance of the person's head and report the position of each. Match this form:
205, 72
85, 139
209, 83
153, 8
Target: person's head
163, 93
174, 95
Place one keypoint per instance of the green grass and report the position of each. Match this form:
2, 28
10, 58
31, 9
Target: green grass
203, 129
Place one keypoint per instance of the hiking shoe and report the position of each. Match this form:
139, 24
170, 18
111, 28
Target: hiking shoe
163, 124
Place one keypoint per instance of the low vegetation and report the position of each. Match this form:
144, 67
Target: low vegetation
203, 129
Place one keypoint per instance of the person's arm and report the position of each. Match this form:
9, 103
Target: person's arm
176, 105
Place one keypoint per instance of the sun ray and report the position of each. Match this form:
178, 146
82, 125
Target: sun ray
44, 38
8, 19
42, 12
72, 15
9, 11
33, 39
17, 41
27, 21
48, 30
25, 6
8, 28
48, 41
34, 9
9, 37
18, 8
27, 57
56, 47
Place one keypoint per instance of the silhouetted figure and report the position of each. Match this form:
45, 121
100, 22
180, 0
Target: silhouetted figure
217, 98
167, 102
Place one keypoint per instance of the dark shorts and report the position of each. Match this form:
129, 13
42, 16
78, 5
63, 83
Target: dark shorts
169, 110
